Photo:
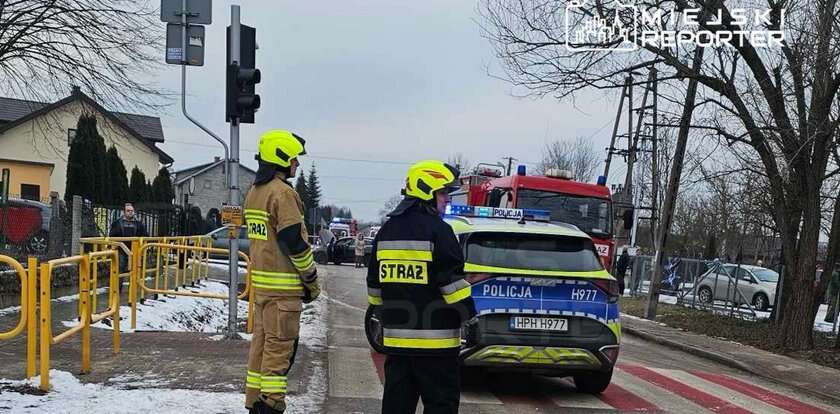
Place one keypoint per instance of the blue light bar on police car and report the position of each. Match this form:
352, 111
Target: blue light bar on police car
494, 212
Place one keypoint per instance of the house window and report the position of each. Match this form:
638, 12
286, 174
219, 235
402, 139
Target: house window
71, 135
30, 192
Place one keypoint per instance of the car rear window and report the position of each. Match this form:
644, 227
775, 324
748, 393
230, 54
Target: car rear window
532, 251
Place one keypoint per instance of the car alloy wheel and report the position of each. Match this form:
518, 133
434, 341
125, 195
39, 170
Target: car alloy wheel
705, 295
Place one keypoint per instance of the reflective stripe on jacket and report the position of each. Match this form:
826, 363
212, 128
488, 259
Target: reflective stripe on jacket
270, 208
416, 274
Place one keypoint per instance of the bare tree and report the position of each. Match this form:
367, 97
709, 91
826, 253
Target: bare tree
578, 156
107, 47
776, 105
459, 160
389, 206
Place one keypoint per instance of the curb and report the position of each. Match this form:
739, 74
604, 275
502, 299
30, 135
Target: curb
725, 360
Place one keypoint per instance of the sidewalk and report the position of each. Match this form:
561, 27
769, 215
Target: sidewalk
801, 375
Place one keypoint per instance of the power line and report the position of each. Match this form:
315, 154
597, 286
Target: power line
317, 157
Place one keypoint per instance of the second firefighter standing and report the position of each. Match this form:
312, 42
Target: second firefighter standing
416, 275
283, 271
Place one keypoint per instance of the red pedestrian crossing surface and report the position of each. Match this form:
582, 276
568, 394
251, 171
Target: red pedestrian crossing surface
635, 388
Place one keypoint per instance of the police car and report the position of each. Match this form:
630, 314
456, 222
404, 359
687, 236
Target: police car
545, 304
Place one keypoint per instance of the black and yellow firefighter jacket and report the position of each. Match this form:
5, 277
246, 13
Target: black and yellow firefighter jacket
416, 274
281, 258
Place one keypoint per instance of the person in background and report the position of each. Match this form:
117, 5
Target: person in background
127, 226
621, 269
360, 250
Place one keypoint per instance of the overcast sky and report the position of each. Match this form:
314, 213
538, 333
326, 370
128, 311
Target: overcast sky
386, 81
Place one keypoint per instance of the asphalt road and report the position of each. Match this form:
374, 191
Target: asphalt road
649, 378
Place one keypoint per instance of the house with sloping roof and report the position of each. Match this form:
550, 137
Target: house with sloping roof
35, 141
204, 186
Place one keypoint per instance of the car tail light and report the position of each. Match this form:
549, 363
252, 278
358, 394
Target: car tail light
608, 286
611, 352
474, 278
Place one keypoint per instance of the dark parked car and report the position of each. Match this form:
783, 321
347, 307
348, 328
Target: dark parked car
220, 241
340, 251
26, 223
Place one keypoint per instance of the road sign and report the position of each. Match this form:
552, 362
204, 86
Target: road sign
232, 215
198, 11
195, 45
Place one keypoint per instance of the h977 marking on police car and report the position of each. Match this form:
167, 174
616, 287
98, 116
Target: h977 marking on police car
584, 294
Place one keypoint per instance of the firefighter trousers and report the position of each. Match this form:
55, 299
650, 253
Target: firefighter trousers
273, 348
437, 380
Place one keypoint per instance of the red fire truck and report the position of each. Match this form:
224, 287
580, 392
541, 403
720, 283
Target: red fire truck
587, 206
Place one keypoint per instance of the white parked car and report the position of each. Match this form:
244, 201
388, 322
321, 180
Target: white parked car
757, 285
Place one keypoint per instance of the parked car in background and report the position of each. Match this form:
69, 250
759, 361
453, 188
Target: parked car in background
26, 223
756, 284
221, 241
341, 250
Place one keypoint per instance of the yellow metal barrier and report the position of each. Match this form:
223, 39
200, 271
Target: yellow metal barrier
140, 257
28, 303
87, 314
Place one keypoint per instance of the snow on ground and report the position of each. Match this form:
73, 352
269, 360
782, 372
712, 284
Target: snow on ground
137, 392
71, 396
68, 298
178, 314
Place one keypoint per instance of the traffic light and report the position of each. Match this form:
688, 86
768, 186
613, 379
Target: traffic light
241, 98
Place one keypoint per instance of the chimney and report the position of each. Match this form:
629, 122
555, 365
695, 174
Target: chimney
217, 159
75, 90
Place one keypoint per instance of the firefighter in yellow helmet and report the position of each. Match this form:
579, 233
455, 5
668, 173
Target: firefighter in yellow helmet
283, 271
416, 275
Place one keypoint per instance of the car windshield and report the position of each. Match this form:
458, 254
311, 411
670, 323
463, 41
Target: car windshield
766, 275
532, 251
590, 214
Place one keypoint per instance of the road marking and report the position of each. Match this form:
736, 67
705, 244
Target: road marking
663, 400
479, 397
352, 375
756, 392
746, 402
703, 399
351, 327
623, 400
347, 305
564, 394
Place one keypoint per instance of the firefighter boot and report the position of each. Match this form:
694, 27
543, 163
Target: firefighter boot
261, 408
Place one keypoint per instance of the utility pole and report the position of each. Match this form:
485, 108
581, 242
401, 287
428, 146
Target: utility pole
612, 149
510, 161
673, 189
654, 138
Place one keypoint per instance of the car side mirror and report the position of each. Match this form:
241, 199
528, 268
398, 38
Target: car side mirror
495, 197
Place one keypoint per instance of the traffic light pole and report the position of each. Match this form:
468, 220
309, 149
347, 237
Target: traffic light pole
184, 88
234, 182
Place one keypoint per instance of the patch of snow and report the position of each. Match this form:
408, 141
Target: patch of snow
68, 298
178, 314
68, 395
216, 337
246, 336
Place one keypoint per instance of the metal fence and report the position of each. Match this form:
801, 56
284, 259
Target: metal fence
699, 284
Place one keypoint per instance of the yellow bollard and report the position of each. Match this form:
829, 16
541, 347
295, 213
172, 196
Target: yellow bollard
93, 279
132, 286
46, 329
31, 321
84, 294
115, 299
